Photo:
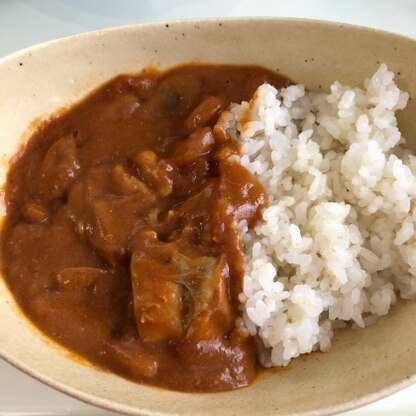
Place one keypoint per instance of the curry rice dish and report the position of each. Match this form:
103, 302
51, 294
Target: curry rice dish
156, 230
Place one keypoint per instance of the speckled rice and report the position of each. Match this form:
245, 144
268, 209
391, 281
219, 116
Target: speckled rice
336, 243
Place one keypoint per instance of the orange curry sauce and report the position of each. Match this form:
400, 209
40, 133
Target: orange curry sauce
121, 242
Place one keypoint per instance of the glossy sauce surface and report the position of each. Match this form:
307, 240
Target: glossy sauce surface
121, 241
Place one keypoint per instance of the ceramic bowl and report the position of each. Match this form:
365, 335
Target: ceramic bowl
362, 366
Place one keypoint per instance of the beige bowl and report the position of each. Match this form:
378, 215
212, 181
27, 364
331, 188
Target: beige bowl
363, 366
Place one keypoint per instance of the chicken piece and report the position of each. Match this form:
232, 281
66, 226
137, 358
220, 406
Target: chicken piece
59, 168
165, 283
111, 225
126, 184
196, 232
205, 113
157, 299
196, 146
97, 181
108, 221
212, 316
121, 107
134, 359
227, 361
158, 173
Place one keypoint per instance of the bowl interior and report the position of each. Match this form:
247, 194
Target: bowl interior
363, 365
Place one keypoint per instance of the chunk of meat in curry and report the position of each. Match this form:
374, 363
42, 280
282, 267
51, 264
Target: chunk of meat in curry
121, 240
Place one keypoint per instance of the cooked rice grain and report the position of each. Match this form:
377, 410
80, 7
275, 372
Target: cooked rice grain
337, 242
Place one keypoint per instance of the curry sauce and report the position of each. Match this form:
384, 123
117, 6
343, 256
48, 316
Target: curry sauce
121, 242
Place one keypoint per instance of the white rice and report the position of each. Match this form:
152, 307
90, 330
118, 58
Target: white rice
336, 243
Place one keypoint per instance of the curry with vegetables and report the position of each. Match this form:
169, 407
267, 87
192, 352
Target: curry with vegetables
121, 241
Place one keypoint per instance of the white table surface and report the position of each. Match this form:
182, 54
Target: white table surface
26, 22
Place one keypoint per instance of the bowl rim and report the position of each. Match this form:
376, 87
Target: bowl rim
207, 20
108, 404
